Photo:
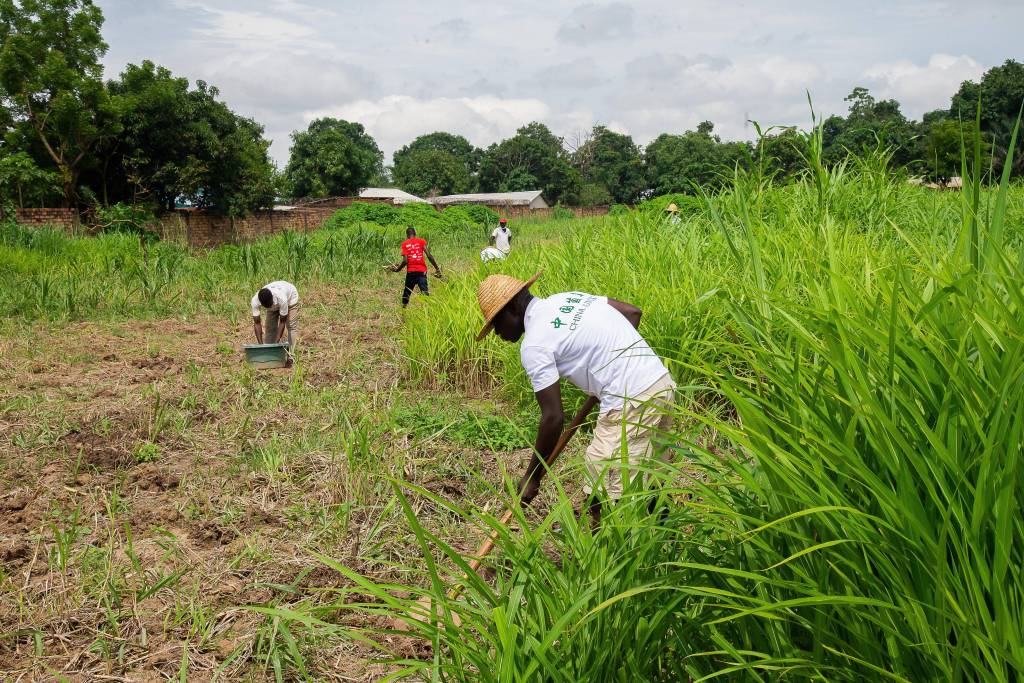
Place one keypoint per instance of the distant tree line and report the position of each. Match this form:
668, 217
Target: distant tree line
150, 138
605, 167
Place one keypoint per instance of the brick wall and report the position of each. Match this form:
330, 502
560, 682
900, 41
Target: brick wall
199, 228
208, 229
63, 218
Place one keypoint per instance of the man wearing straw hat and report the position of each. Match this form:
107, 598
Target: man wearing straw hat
672, 213
593, 341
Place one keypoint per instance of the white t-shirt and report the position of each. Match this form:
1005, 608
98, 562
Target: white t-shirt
285, 296
502, 238
581, 337
490, 254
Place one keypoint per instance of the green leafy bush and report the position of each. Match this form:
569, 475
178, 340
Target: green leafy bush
471, 214
363, 212
124, 218
560, 213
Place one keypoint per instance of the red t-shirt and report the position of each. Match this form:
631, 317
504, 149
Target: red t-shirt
412, 250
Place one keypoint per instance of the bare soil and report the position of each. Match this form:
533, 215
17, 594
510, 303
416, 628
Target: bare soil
152, 487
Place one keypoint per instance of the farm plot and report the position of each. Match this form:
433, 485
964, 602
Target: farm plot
156, 494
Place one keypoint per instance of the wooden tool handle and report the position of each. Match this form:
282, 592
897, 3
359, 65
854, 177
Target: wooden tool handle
563, 441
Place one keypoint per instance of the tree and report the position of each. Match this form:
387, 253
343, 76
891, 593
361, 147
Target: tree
432, 172
870, 122
331, 158
455, 145
610, 161
23, 182
51, 80
780, 153
680, 163
181, 143
437, 163
1001, 93
532, 159
945, 143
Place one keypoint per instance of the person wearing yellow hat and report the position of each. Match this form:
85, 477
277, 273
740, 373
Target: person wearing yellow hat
672, 212
593, 341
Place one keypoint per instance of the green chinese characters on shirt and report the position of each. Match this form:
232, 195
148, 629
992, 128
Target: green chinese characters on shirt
575, 304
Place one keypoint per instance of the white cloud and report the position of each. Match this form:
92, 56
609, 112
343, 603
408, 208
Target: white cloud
590, 23
922, 88
254, 30
579, 73
396, 119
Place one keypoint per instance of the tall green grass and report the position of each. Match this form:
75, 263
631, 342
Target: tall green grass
47, 274
851, 430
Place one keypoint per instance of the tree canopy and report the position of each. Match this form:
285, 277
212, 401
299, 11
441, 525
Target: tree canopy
679, 163
610, 162
437, 164
332, 157
868, 124
533, 159
1001, 95
178, 143
51, 81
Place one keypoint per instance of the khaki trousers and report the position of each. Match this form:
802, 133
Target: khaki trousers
638, 423
273, 320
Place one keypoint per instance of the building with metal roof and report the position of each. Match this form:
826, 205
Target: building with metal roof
392, 194
530, 199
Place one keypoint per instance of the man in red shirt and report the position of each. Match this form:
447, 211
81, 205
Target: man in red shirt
414, 249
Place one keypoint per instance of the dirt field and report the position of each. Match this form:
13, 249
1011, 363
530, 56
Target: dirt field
152, 488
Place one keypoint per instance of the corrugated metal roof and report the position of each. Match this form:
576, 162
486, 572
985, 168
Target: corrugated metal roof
506, 198
392, 193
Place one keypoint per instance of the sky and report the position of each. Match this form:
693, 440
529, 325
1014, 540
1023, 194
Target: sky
403, 68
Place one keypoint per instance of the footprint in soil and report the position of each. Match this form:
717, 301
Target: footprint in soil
14, 552
209, 534
95, 450
157, 363
153, 478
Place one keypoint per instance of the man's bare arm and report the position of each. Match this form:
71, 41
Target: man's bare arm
430, 257
552, 420
282, 327
628, 311
258, 329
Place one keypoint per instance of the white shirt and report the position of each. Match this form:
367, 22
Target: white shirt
285, 296
581, 337
490, 254
502, 238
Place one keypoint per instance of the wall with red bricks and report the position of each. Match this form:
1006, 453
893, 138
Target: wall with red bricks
199, 228
208, 229
62, 218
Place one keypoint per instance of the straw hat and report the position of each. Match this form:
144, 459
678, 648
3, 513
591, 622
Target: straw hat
672, 208
494, 293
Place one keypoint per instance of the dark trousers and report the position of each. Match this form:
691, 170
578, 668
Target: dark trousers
414, 280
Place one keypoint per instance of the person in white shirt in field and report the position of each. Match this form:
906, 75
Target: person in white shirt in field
281, 301
593, 341
491, 254
501, 238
